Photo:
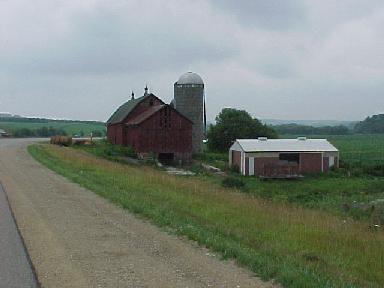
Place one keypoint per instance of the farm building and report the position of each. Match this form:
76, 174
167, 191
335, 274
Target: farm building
148, 125
283, 158
171, 132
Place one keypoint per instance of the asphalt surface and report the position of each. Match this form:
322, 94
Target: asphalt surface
15, 268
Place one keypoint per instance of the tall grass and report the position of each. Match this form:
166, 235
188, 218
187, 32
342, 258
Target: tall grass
295, 246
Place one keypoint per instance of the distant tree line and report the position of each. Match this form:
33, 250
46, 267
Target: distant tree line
44, 120
39, 132
232, 124
296, 129
371, 125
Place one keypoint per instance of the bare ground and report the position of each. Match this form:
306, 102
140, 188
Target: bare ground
78, 239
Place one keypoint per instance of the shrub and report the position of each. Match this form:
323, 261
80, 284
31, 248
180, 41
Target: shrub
233, 182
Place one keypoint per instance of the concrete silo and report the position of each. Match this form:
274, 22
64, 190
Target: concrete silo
189, 101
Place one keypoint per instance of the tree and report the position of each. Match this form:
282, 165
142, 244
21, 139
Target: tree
304, 130
373, 124
232, 124
97, 133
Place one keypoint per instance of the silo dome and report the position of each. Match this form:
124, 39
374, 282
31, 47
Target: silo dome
190, 78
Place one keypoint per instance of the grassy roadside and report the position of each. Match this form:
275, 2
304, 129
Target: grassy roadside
297, 247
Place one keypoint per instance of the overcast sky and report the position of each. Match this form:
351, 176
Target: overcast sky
282, 59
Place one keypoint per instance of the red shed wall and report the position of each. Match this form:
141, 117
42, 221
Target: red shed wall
260, 162
311, 162
236, 159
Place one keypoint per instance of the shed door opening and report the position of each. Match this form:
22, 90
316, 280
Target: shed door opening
290, 157
166, 158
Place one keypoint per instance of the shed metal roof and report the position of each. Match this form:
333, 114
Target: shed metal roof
286, 145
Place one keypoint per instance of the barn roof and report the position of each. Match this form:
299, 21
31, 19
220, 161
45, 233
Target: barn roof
145, 115
151, 111
285, 145
124, 110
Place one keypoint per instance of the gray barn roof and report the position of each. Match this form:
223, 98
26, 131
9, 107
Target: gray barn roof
285, 145
124, 110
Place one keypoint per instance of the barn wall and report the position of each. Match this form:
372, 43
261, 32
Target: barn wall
132, 137
115, 134
111, 133
311, 162
164, 132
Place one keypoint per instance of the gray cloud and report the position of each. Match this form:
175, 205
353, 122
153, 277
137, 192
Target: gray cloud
271, 14
276, 59
105, 40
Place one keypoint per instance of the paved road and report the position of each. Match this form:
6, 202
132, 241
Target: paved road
77, 239
15, 268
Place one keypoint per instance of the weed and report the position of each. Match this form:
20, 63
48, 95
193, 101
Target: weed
297, 247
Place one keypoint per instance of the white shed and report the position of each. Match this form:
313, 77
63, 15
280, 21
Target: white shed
269, 157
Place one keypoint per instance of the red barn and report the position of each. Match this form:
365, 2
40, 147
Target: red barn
148, 125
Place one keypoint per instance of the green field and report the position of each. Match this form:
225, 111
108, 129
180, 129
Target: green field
70, 127
360, 149
279, 239
356, 149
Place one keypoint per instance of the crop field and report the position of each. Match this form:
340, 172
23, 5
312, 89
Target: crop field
70, 127
356, 149
296, 246
360, 149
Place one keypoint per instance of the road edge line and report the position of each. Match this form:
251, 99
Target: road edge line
34, 273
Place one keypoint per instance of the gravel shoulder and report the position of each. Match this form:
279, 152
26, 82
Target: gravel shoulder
78, 239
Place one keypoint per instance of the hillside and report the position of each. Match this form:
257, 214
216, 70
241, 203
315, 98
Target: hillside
313, 123
372, 124
27, 127
296, 129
